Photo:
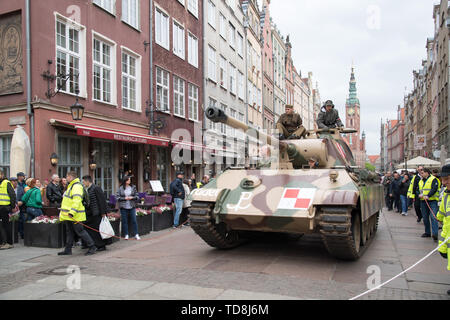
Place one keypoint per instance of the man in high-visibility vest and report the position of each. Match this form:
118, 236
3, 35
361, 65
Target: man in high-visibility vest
73, 212
429, 196
444, 216
7, 202
413, 193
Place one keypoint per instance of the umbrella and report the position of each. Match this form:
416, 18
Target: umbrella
420, 161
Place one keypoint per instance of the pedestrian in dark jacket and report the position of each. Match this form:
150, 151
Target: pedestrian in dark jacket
96, 210
387, 180
127, 196
394, 191
7, 202
54, 192
329, 117
178, 194
404, 186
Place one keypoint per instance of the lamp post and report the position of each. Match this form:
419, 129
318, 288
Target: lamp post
77, 110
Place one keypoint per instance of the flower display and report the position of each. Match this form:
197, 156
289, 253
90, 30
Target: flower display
162, 208
14, 217
45, 219
141, 212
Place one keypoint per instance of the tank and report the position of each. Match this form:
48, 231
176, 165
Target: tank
337, 200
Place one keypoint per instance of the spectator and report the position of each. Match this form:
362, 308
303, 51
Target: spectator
127, 196
28, 182
413, 192
7, 201
96, 210
20, 192
54, 192
73, 212
178, 194
429, 196
387, 180
41, 187
193, 182
33, 201
186, 202
63, 184
14, 183
394, 191
404, 186
444, 216
204, 181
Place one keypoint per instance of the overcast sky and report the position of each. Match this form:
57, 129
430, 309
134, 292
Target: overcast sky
385, 38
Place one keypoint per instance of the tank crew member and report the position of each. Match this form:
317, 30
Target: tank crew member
313, 163
328, 117
290, 124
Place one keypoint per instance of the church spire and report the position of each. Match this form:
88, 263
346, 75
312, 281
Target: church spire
353, 97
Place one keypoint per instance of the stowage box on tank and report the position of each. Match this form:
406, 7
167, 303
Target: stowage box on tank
336, 200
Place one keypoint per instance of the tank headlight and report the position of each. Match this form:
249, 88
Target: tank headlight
334, 175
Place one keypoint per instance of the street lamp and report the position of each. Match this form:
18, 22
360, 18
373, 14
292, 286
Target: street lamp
77, 110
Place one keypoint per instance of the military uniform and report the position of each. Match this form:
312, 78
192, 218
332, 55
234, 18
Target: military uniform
329, 119
291, 124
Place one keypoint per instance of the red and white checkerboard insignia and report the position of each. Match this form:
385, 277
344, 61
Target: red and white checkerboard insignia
297, 198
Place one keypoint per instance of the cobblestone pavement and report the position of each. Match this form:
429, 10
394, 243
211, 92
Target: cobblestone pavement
177, 264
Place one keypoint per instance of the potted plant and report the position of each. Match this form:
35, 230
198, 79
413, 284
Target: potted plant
44, 231
13, 228
162, 217
144, 221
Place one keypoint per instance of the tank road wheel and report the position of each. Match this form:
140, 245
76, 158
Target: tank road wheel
216, 235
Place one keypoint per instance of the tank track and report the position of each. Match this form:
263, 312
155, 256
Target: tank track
216, 235
338, 232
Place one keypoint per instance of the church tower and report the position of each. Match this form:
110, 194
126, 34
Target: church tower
353, 121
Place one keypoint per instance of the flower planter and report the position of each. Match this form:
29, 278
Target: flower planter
12, 232
144, 225
45, 235
163, 220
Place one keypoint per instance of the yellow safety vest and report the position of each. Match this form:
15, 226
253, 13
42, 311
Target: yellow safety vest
425, 189
72, 203
444, 216
5, 200
410, 193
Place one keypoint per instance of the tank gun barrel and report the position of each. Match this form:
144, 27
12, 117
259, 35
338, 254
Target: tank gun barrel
217, 115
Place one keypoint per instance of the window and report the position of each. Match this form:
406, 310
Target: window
241, 87
240, 45
223, 126
222, 26
5, 154
193, 102
130, 12
131, 74
231, 130
162, 90
211, 14
212, 103
193, 50
232, 79
105, 166
193, 7
69, 56
104, 80
178, 96
69, 152
162, 29
223, 72
212, 64
178, 40
108, 5
232, 35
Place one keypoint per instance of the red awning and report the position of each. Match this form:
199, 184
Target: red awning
110, 134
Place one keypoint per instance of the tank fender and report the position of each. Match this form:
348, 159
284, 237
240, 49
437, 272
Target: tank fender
338, 197
207, 194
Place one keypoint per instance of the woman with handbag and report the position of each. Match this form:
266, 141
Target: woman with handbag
127, 196
33, 201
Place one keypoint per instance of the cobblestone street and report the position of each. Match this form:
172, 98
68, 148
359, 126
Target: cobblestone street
177, 264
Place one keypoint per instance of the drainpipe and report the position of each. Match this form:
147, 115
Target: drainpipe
29, 106
151, 67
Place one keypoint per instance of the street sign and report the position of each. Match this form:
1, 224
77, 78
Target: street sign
420, 141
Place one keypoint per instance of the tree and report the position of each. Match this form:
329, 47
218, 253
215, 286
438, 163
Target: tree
370, 167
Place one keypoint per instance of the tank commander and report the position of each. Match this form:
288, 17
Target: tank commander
313, 163
329, 117
289, 125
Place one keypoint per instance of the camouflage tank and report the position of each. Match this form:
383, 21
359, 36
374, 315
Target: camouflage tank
337, 200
